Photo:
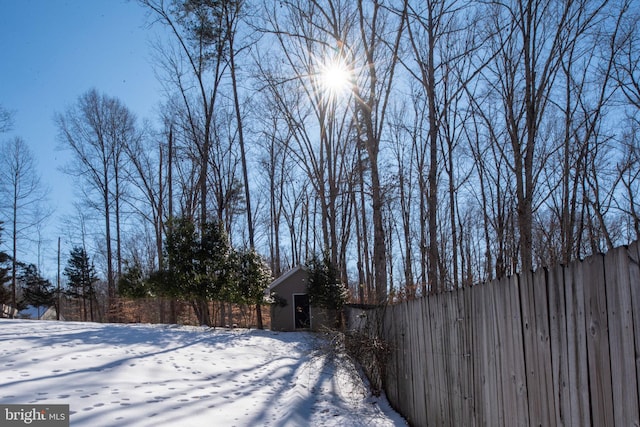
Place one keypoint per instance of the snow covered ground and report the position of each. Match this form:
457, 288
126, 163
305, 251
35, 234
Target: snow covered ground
158, 375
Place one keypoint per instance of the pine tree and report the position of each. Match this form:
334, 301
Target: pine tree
81, 277
36, 290
132, 283
198, 267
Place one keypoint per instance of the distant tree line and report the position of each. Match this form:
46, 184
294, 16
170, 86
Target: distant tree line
31, 288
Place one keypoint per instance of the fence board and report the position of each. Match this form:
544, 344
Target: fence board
578, 378
533, 297
405, 386
519, 368
404, 380
472, 398
492, 364
502, 312
466, 368
451, 350
421, 358
634, 286
443, 356
623, 370
513, 383
450, 404
395, 371
558, 342
479, 354
394, 384
436, 378
455, 348
597, 342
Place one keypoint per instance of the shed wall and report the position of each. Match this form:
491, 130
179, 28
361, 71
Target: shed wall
282, 318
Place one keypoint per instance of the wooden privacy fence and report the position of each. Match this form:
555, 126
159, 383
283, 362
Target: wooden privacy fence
558, 346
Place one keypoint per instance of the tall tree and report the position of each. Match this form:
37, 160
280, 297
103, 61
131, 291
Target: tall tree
96, 130
198, 28
146, 169
372, 91
21, 187
430, 20
232, 11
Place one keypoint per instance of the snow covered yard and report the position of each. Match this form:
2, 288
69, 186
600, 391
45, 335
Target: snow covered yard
158, 375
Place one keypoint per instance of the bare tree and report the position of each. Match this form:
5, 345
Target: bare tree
198, 28
24, 193
318, 123
146, 160
532, 40
373, 92
443, 41
96, 130
232, 11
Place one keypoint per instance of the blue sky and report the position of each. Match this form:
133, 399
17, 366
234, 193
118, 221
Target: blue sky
52, 51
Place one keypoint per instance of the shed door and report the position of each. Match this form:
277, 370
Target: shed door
301, 313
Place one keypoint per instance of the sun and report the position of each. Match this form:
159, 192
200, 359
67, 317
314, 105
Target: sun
336, 77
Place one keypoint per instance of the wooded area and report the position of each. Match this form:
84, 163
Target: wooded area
554, 347
468, 141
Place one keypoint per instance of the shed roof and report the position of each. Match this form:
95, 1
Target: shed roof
285, 276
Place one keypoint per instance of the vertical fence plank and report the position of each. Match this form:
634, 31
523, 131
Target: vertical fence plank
491, 359
447, 356
597, 342
535, 318
394, 338
434, 342
406, 394
421, 357
623, 370
634, 284
479, 355
442, 355
558, 342
398, 347
502, 313
464, 359
519, 369
473, 398
455, 349
512, 373
431, 379
578, 377
495, 317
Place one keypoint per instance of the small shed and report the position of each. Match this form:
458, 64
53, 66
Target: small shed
291, 309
